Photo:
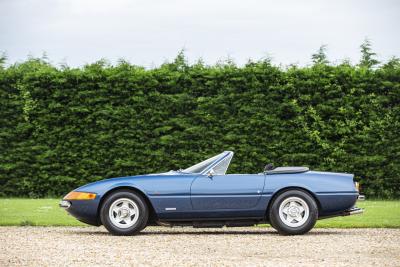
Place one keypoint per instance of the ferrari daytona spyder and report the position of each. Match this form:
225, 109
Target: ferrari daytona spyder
290, 199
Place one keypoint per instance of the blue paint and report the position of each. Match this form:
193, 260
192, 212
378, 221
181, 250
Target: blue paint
198, 196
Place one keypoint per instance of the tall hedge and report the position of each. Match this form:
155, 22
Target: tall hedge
62, 127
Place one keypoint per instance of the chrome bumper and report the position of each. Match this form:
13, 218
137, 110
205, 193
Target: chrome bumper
361, 198
64, 204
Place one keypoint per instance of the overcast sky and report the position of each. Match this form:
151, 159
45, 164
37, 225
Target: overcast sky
149, 32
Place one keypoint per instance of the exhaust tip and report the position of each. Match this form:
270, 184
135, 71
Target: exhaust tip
353, 211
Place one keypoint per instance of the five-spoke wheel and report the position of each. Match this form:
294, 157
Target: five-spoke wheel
293, 212
124, 213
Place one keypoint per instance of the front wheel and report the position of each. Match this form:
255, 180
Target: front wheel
124, 213
293, 212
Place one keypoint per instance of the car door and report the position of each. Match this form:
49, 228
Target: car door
230, 191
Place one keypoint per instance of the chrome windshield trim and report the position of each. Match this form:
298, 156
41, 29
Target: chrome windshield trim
217, 161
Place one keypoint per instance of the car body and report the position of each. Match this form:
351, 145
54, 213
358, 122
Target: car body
205, 196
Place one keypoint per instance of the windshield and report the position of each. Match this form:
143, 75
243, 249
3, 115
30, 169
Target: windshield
218, 163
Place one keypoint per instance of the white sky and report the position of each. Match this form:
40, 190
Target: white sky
149, 32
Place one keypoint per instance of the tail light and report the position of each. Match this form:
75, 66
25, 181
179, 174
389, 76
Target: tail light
357, 185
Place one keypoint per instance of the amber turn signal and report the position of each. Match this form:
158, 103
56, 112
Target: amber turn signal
79, 196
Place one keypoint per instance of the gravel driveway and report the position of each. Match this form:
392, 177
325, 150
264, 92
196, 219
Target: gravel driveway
160, 246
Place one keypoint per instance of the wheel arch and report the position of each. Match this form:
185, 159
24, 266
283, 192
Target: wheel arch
284, 189
152, 212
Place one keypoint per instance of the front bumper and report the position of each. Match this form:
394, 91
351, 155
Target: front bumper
83, 210
64, 204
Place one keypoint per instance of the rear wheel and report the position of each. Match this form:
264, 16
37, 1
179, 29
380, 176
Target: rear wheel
124, 213
293, 212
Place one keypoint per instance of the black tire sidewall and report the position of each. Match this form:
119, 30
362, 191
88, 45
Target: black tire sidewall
282, 228
140, 223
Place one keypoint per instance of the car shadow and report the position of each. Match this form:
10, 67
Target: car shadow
208, 232
234, 232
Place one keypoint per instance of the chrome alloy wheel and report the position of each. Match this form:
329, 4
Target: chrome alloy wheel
123, 213
294, 211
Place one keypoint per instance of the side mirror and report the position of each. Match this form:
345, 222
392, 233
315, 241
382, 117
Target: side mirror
211, 173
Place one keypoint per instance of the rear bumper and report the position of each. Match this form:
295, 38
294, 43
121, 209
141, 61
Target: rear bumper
355, 210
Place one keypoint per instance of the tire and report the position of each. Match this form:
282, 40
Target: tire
293, 212
124, 213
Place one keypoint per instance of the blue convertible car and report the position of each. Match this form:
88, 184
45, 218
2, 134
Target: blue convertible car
291, 199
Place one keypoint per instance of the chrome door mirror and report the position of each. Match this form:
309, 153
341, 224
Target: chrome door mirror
211, 173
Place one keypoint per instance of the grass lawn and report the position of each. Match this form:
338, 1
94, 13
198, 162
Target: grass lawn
45, 212
377, 214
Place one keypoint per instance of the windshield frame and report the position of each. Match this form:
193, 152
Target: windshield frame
222, 156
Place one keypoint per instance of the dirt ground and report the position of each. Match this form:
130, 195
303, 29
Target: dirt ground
161, 246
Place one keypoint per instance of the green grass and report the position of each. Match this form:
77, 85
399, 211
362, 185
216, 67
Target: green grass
377, 214
45, 212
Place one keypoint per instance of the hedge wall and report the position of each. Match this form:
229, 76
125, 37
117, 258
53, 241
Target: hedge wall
63, 127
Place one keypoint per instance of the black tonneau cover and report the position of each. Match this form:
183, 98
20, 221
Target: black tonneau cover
282, 170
